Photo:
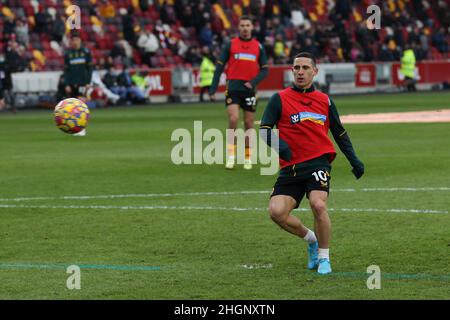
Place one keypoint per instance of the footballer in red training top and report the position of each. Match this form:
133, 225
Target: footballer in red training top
303, 116
246, 66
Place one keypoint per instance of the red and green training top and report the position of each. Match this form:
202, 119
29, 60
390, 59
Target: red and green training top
243, 60
304, 117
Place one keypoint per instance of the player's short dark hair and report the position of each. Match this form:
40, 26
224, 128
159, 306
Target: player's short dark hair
245, 17
306, 55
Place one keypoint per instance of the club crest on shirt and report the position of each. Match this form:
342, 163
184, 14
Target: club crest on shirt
308, 116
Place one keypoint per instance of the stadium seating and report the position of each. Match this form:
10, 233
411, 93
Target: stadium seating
99, 33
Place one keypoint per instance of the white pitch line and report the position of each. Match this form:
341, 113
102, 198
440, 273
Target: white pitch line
148, 195
13, 206
224, 193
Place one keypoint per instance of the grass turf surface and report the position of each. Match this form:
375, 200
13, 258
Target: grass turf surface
201, 252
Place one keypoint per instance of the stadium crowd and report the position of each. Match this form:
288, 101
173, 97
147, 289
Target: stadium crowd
124, 34
165, 33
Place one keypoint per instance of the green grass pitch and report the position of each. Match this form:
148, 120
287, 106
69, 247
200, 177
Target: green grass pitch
185, 237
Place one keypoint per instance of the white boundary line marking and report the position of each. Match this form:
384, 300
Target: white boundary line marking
224, 193
393, 210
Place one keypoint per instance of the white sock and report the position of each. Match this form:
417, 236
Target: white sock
324, 253
310, 237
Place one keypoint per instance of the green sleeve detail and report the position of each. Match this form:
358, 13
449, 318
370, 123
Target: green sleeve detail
272, 113
264, 70
220, 65
340, 135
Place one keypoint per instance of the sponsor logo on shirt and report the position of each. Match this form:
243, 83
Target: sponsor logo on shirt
245, 56
308, 116
80, 60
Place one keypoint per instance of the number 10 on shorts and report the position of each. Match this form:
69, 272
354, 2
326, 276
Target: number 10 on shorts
321, 175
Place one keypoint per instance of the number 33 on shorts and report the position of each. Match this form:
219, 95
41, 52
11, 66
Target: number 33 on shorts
322, 177
250, 101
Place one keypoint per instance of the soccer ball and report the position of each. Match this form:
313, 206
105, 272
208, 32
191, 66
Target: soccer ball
71, 115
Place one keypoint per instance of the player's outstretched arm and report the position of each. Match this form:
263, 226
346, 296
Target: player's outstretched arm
263, 68
343, 141
220, 65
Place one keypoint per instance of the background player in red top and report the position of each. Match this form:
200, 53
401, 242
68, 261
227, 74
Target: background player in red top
303, 116
247, 66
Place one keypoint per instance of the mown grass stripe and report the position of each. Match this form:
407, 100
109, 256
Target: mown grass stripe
82, 266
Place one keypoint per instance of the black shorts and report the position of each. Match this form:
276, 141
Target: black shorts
299, 185
245, 100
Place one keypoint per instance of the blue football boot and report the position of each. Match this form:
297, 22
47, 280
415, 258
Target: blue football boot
324, 266
313, 255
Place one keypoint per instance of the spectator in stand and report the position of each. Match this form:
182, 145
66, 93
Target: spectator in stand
392, 47
128, 25
96, 81
344, 8
419, 52
268, 45
134, 93
285, 8
413, 34
370, 51
424, 39
297, 15
118, 52
58, 29
118, 80
107, 9
13, 61
295, 49
148, 44
186, 17
182, 48
9, 26
110, 80
105, 63
267, 31
356, 53
43, 21
193, 56
362, 34
311, 47
167, 14
201, 15
440, 40
162, 31
144, 5
122, 50
385, 55
5, 83
206, 35
279, 50
398, 35
140, 80
278, 28
15, 56
216, 23
256, 9
22, 32
268, 9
